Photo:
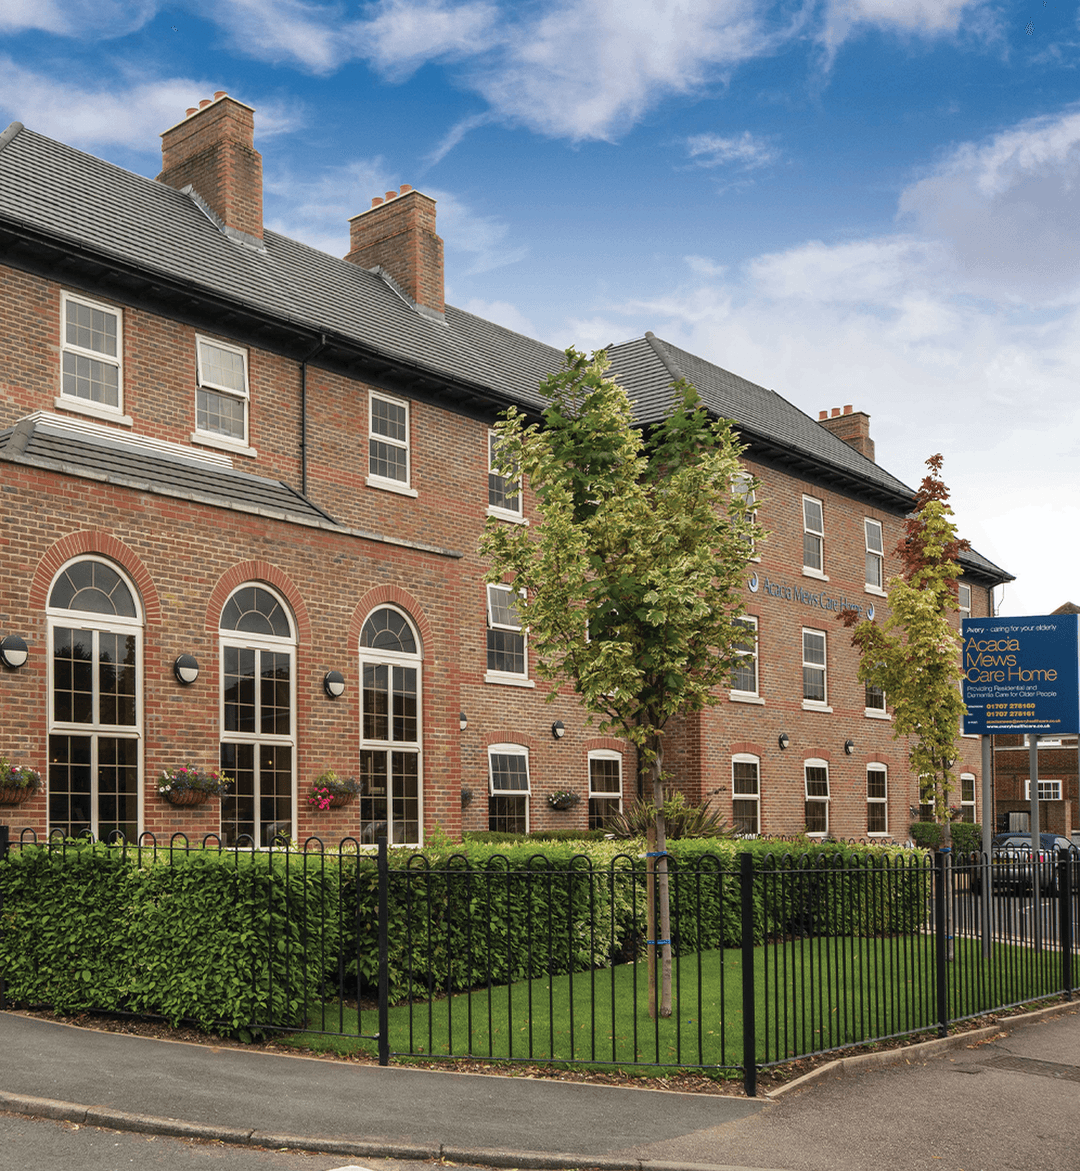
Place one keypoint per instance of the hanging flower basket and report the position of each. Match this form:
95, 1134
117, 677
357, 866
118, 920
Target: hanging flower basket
329, 791
187, 796
188, 785
10, 795
17, 782
563, 799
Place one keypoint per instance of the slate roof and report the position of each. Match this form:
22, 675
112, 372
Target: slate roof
52, 192
52, 443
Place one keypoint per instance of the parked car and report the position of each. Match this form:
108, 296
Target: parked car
1011, 866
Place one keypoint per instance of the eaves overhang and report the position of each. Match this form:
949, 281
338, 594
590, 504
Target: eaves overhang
70, 261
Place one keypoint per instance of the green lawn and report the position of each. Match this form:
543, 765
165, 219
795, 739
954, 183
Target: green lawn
819, 994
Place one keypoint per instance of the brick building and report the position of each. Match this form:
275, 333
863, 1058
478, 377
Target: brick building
220, 446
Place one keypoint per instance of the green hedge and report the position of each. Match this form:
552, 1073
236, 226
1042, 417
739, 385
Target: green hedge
966, 836
221, 939
247, 941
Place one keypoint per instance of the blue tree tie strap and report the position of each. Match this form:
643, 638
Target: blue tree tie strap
657, 942
656, 854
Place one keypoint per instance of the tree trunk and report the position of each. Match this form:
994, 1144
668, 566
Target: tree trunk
662, 887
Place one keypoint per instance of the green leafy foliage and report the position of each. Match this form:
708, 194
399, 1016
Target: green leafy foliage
966, 837
914, 655
681, 819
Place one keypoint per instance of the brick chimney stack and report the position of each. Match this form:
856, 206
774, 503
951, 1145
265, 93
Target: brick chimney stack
397, 233
213, 150
853, 427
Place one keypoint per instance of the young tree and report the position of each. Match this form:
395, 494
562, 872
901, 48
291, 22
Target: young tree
630, 585
914, 655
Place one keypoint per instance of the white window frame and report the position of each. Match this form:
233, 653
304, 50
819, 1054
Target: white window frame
94, 730
73, 402
816, 705
876, 766
972, 804
410, 660
1050, 787
874, 557
402, 487
963, 599
605, 795
738, 695
216, 438
816, 763
873, 712
742, 484
747, 758
814, 534
510, 678
510, 750
513, 514
248, 640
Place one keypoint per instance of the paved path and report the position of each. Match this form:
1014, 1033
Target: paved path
996, 1105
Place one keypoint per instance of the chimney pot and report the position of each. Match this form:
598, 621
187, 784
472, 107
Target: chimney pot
847, 409
204, 103
405, 189
191, 110
835, 412
376, 200
221, 93
822, 415
391, 195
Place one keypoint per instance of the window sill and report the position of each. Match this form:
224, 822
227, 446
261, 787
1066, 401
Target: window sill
94, 410
232, 446
391, 486
816, 574
876, 591
877, 835
812, 705
502, 514
745, 697
969, 735
508, 680
872, 713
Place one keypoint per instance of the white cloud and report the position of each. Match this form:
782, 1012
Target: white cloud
716, 150
844, 19
1006, 210
482, 238
503, 313
93, 19
407, 33
312, 37
131, 112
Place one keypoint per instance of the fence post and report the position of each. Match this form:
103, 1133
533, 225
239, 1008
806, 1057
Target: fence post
941, 943
384, 954
1065, 913
749, 1022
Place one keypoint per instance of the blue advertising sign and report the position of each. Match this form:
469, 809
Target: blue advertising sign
1022, 674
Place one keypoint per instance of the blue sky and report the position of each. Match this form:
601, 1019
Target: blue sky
850, 201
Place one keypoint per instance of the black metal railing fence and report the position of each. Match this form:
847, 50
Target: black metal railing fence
548, 962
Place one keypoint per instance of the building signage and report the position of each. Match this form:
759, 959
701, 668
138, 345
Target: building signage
815, 599
1022, 674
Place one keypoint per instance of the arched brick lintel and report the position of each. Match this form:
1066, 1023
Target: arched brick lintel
747, 748
264, 571
93, 542
596, 743
510, 736
392, 595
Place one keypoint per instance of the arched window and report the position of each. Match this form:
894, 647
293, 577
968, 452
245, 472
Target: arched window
605, 786
258, 717
391, 772
746, 794
95, 701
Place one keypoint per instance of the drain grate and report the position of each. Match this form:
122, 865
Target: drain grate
1054, 1069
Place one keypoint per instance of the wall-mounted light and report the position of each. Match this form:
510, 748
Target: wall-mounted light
558, 729
186, 669
462, 721
13, 652
849, 746
783, 740
334, 684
